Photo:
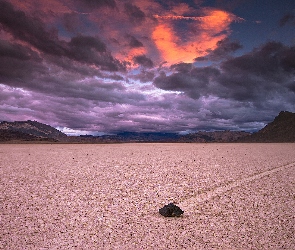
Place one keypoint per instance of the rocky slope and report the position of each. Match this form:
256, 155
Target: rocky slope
29, 130
281, 129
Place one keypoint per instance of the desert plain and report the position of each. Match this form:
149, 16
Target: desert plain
107, 196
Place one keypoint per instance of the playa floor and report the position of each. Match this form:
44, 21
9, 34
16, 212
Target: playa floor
234, 196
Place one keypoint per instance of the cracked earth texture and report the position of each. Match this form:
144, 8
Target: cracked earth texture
234, 196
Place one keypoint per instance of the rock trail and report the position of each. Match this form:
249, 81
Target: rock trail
190, 203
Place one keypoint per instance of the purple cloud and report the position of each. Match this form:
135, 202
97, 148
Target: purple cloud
287, 18
134, 13
143, 61
90, 4
133, 42
85, 49
224, 48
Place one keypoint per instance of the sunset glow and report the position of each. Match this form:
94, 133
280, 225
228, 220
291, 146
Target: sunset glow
212, 28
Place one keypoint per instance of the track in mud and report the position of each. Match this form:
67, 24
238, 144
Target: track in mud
191, 202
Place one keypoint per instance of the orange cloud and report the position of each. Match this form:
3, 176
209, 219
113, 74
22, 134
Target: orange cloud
218, 20
134, 52
166, 42
210, 30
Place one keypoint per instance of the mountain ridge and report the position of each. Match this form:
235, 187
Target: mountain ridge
281, 129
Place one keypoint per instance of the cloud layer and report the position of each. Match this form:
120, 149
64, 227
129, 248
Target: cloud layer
108, 66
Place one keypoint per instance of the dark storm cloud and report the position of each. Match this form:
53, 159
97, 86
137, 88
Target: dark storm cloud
194, 83
258, 76
20, 67
134, 13
72, 22
29, 29
287, 59
171, 3
268, 62
175, 82
85, 49
201, 59
182, 67
17, 51
97, 3
144, 76
143, 61
288, 18
91, 50
72, 67
18, 63
133, 42
87, 42
70, 86
224, 48
109, 93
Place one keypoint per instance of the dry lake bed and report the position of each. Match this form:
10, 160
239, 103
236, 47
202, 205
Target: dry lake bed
234, 196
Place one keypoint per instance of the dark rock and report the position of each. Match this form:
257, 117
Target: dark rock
171, 210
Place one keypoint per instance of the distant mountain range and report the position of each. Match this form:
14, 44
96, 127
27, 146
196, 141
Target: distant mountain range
215, 136
282, 129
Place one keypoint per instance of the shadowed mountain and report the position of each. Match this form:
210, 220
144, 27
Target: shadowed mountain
145, 137
11, 135
29, 131
282, 129
217, 136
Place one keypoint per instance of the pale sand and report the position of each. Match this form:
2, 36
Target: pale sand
234, 196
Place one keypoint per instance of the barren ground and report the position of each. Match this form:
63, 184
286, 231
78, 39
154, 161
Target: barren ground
234, 196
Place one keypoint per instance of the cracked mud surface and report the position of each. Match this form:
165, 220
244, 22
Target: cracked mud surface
234, 196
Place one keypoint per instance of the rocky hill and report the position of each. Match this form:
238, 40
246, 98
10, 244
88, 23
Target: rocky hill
281, 129
16, 136
29, 130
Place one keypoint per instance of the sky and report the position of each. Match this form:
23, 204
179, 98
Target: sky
107, 66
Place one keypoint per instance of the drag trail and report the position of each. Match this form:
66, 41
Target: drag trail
190, 203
